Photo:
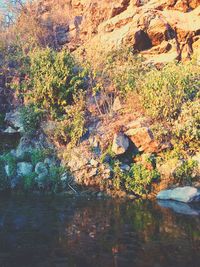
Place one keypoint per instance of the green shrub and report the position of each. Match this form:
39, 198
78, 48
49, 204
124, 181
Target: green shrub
31, 117
11, 161
29, 181
72, 126
53, 80
137, 180
184, 173
140, 178
55, 174
124, 69
164, 92
3, 176
2, 117
187, 127
39, 155
107, 154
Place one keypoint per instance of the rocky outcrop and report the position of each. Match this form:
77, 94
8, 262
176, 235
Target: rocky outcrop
140, 24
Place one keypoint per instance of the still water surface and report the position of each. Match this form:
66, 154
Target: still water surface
62, 232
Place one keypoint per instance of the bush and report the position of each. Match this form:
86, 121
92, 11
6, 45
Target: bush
39, 155
137, 180
3, 176
124, 69
164, 92
11, 162
184, 173
31, 117
55, 174
29, 181
53, 80
72, 126
187, 128
140, 178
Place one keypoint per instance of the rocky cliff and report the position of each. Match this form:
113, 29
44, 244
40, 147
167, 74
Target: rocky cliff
162, 30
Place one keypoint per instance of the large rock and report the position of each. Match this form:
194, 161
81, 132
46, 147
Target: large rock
159, 31
14, 120
41, 169
184, 194
143, 139
120, 143
24, 168
62, 35
24, 146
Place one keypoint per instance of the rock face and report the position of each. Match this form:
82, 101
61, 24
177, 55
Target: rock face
140, 24
183, 194
120, 143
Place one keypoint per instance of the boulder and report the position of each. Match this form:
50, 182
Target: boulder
120, 143
159, 31
24, 168
143, 139
14, 120
183, 194
24, 146
41, 169
62, 35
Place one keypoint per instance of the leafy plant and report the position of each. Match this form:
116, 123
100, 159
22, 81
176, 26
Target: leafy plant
31, 117
11, 162
140, 178
72, 126
107, 155
187, 127
164, 92
137, 180
184, 173
39, 155
28, 181
55, 174
3, 176
53, 80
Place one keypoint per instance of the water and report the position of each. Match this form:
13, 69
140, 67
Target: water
62, 232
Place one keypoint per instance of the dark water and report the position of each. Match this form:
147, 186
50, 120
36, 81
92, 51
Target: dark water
57, 231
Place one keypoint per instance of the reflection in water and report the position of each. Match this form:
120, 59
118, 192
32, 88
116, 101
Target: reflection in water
100, 233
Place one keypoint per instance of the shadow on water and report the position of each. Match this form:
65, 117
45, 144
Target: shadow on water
55, 231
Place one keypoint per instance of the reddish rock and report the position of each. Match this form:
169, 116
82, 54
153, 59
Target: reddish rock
143, 139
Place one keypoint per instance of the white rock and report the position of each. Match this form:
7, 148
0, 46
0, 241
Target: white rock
184, 194
24, 168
